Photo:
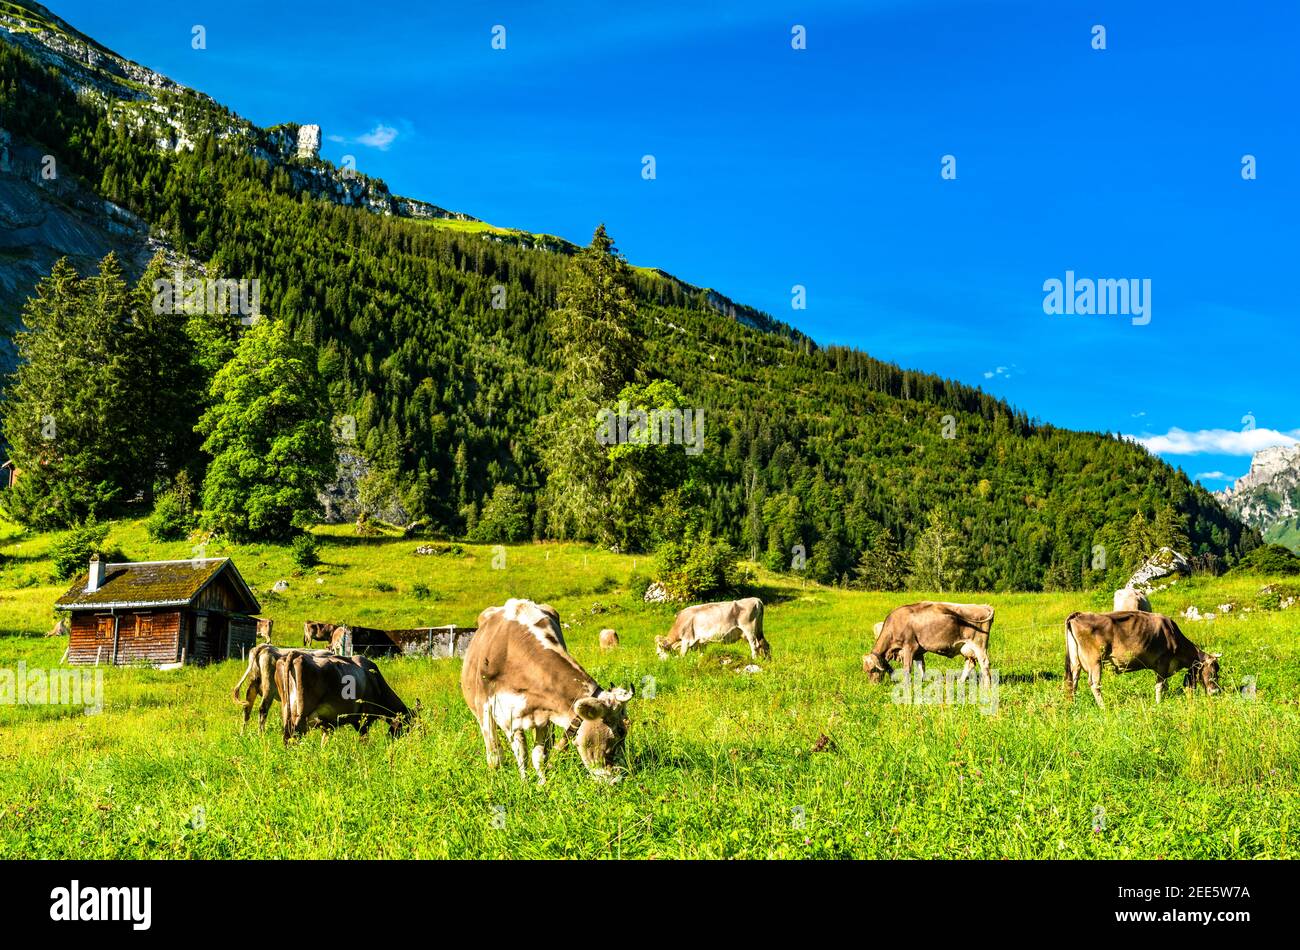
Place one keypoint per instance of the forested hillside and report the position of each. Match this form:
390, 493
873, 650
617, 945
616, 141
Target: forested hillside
447, 377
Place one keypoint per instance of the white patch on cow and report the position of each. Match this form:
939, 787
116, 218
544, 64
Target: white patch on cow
527, 614
507, 709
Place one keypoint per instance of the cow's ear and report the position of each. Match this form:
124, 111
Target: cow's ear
589, 708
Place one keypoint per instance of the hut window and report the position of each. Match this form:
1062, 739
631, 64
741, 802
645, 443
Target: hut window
103, 627
144, 626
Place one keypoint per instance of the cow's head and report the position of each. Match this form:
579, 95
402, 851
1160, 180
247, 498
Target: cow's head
1206, 671
661, 647
601, 733
876, 667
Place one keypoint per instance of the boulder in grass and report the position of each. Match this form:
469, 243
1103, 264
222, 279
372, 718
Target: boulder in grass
608, 639
656, 593
1162, 564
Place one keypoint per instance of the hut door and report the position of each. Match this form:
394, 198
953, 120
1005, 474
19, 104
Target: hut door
219, 636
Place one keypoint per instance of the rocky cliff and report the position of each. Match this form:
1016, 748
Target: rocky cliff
1268, 496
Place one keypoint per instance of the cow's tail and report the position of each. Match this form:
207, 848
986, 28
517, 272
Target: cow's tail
252, 662
1071, 653
293, 699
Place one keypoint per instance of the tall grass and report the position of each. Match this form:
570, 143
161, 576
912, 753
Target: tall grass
803, 759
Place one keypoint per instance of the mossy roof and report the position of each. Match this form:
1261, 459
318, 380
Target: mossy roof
156, 584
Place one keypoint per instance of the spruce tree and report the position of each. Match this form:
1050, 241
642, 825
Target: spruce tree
596, 353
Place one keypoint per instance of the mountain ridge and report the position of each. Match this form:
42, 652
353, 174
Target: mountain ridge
92, 67
815, 447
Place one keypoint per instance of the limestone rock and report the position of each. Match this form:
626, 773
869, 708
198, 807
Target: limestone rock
309, 142
1160, 565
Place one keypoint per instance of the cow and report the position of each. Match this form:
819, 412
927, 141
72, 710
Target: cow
1130, 640
264, 628
317, 631
911, 631
260, 675
518, 676
724, 622
319, 688
1126, 598
608, 640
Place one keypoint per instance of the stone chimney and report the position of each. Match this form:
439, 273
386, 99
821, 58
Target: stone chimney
96, 580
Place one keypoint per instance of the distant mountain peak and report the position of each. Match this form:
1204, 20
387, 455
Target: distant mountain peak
1268, 496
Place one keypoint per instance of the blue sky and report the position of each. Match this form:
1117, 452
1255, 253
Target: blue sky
821, 167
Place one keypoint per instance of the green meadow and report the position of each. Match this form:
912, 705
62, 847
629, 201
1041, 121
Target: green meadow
805, 758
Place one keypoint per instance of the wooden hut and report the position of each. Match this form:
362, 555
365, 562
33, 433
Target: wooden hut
160, 613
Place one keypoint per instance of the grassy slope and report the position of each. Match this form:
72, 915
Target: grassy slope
722, 763
1286, 533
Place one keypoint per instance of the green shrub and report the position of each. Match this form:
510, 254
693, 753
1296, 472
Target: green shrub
72, 550
504, 516
170, 520
421, 591
693, 569
1274, 596
1271, 559
306, 551
638, 584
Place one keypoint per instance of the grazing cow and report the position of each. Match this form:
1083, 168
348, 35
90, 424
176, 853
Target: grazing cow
608, 639
518, 675
319, 688
1126, 598
1134, 640
724, 622
317, 631
912, 631
260, 675
264, 628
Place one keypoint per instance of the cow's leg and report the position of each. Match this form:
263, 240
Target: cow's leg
1160, 686
541, 748
758, 648
519, 746
491, 739
263, 711
1094, 680
906, 656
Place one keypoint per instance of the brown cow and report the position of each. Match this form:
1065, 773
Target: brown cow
317, 631
911, 631
518, 675
1134, 640
330, 691
260, 675
608, 639
723, 622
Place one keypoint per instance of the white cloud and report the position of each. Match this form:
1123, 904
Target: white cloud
380, 137
1214, 477
1215, 441
1000, 371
